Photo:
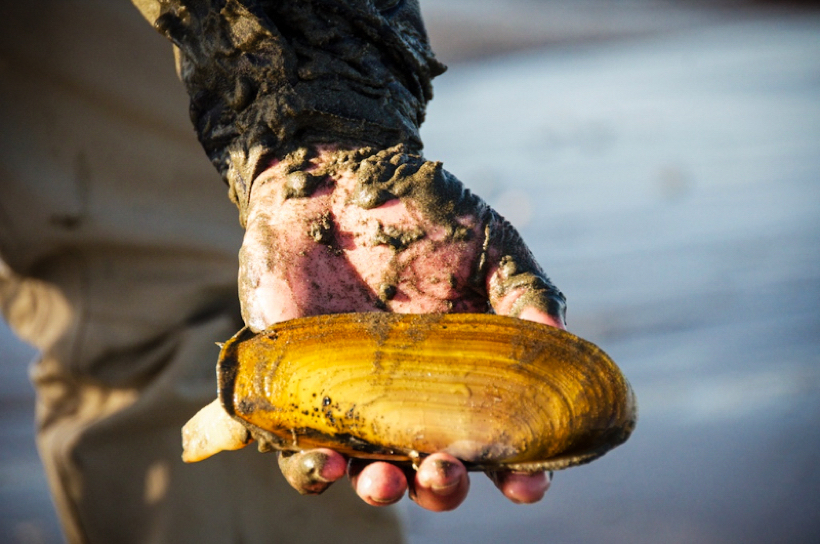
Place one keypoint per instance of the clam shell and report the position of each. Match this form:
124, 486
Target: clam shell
496, 392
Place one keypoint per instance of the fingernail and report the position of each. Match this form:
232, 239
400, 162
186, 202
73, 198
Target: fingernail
383, 502
312, 464
305, 472
384, 489
443, 470
444, 490
446, 469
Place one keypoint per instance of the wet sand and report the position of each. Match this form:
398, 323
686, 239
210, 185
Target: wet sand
667, 178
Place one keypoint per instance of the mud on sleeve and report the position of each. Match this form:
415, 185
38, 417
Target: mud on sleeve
266, 77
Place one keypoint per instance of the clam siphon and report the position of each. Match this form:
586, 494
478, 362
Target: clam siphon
495, 392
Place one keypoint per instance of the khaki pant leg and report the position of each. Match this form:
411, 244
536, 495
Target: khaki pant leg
110, 413
112, 450
124, 248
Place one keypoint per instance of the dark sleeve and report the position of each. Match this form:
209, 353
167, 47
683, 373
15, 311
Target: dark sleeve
267, 77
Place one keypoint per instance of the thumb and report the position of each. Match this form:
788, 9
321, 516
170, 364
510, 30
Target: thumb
516, 284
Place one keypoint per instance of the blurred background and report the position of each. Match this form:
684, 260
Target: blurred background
662, 159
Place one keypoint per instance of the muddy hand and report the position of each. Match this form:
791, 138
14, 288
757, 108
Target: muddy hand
343, 230
332, 230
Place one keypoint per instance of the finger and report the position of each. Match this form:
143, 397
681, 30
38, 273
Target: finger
531, 313
441, 483
520, 487
515, 282
310, 472
378, 483
210, 431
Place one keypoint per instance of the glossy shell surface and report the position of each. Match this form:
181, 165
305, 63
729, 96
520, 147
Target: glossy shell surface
496, 392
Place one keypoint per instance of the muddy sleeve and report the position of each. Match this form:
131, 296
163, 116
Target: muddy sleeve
268, 77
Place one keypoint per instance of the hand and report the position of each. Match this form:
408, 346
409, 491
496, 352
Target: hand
332, 231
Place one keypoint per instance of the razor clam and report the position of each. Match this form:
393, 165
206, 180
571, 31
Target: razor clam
496, 392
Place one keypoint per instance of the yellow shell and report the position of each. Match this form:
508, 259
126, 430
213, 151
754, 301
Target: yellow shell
495, 392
